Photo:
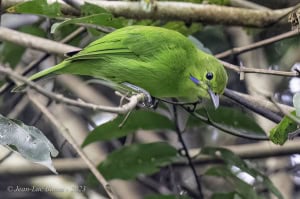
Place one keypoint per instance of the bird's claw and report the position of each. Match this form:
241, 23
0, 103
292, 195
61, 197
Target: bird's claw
294, 134
149, 101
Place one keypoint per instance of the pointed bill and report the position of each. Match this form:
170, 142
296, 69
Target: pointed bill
214, 98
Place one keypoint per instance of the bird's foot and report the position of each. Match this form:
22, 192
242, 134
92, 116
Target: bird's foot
294, 134
149, 101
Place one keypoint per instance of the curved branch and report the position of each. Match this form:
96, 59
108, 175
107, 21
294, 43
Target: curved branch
133, 100
189, 12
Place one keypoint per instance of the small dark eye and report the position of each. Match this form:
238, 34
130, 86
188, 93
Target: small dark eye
209, 75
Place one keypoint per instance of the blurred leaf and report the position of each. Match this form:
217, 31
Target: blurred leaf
232, 159
218, 2
226, 155
244, 189
181, 27
67, 30
296, 103
279, 134
212, 36
29, 141
231, 195
38, 7
130, 161
238, 121
12, 53
166, 197
137, 120
89, 9
102, 19
199, 44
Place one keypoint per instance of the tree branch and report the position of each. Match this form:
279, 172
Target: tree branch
242, 49
133, 100
7, 86
256, 101
243, 69
189, 12
34, 42
252, 151
257, 108
68, 136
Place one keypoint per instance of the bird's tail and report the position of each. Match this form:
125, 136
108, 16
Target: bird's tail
44, 73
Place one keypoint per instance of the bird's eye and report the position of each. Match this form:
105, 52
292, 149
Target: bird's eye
209, 75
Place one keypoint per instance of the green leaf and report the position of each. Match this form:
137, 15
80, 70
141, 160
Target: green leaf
219, 2
231, 195
89, 9
29, 141
102, 19
182, 28
130, 161
38, 7
12, 53
226, 155
279, 134
232, 159
238, 121
244, 189
137, 120
166, 197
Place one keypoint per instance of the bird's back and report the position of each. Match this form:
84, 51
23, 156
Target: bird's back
152, 58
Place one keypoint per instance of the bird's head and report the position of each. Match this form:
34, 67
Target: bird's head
210, 78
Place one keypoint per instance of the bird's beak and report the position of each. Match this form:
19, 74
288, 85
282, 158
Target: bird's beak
214, 98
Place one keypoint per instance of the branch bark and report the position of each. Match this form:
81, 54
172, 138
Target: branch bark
34, 42
189, 12
132, 101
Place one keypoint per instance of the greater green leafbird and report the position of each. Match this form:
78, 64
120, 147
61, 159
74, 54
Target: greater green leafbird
160, 61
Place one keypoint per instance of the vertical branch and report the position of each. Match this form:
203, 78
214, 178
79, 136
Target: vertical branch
67, 135
186, 151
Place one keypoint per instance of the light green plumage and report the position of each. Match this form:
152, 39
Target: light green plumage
158, 60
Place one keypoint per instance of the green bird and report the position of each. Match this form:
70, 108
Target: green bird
153, 60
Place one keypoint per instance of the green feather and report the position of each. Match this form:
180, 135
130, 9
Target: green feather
158, 60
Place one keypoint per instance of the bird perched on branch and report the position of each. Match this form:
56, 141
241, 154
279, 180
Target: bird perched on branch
158, 62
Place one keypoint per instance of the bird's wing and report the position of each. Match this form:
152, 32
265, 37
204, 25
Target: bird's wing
137, 41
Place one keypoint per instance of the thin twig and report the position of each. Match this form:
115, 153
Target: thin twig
295, 119
7, 86
230, 131
154, 185
68, 136
242, 49
104, 29
133, 100
191, 164
6, 156
74, 3
285, 112
242, 69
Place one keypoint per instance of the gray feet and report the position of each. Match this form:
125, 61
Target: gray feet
149, 101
